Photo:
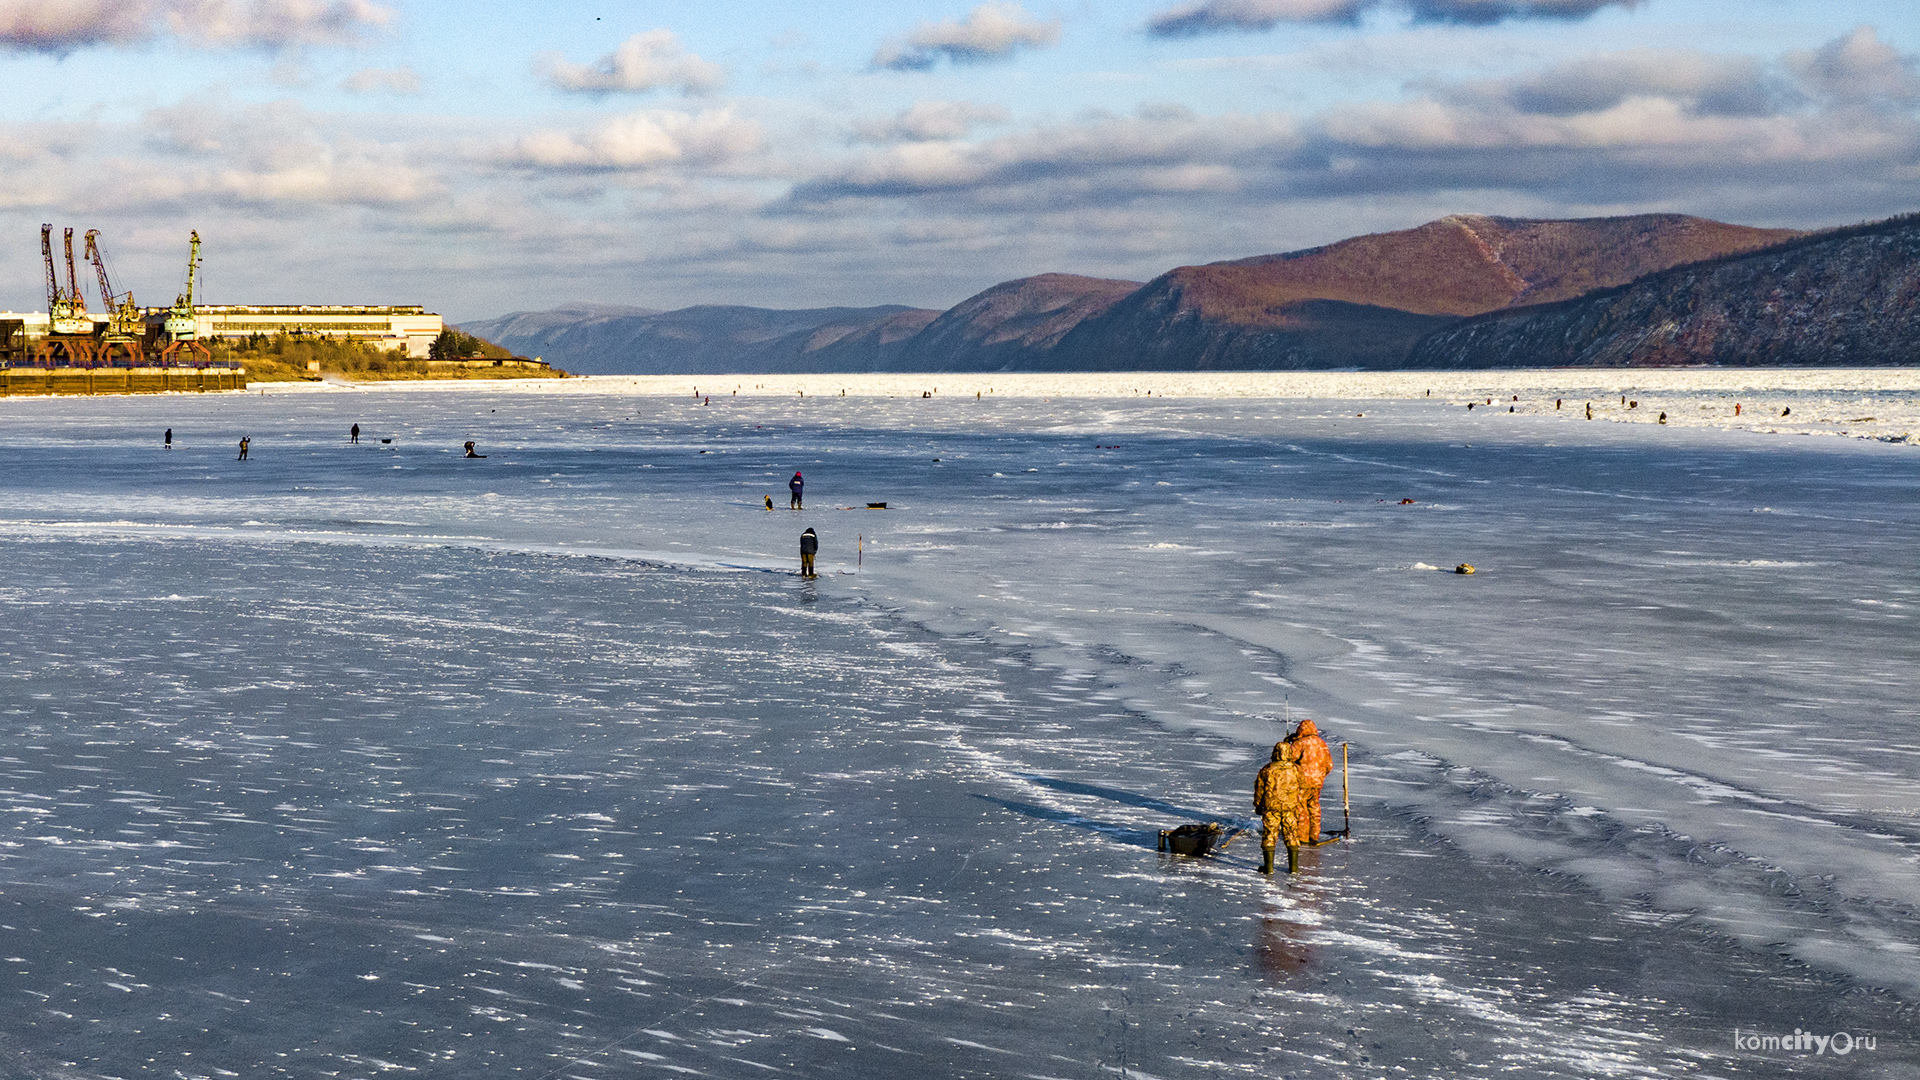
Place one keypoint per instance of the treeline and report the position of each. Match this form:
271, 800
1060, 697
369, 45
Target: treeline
287, 357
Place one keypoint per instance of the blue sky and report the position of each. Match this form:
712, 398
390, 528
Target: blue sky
488, 157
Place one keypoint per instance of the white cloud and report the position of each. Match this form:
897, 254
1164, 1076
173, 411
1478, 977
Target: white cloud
394, 80
639, 140
61, 26
645, 61
926, 121
1859, 68
991, 31
1218, 16
1703, 83
1091, 160
1626, 127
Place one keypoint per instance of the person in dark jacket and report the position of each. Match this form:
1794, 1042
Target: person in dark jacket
809, 546
245, 441
794, 485
353, 434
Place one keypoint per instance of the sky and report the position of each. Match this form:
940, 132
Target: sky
493, 156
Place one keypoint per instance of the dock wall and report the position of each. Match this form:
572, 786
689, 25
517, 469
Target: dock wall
37, 381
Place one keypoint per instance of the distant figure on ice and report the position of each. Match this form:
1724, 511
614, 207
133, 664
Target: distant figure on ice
769, 502
353, 435
244, 440
471, 452
1277, 794
794, 485
809, 546
1316, 761
169, 439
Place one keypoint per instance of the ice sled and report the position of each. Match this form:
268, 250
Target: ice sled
1196, 840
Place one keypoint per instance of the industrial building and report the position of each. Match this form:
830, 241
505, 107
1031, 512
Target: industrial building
402, 326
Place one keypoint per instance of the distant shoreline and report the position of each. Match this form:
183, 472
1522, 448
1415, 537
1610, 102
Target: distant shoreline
1881, 404
1131, 384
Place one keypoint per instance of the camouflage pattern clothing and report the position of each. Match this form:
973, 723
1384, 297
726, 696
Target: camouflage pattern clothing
1278, 795
1316, 761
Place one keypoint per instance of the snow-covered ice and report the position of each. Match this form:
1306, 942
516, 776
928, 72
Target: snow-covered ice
354, 760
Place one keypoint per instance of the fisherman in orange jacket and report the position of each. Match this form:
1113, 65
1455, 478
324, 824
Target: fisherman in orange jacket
1316, 761
1277, 797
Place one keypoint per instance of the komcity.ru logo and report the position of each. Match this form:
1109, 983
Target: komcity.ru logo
1840, 1043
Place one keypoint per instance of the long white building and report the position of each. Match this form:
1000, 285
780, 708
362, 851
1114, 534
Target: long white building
388, 326
407, 326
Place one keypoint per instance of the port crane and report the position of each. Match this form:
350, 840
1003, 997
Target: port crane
70, 330
126, 326
181, 329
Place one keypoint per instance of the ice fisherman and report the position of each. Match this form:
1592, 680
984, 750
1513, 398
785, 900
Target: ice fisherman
353, 435
471, 452
244, 440
794, 485
809, 547
1316, 761
169, 439
1277, 798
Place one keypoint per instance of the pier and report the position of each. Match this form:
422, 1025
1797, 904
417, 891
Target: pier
45, 381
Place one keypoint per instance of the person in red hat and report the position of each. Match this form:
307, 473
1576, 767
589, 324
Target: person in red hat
794, 485
1316, 761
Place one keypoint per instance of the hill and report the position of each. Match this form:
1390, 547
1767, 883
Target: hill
604, 340
1012, 326
1364, 302
1849, 297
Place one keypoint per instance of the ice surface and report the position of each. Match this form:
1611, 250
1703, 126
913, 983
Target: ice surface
354, 760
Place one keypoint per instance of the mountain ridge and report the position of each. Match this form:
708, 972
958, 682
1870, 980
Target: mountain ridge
1362, 302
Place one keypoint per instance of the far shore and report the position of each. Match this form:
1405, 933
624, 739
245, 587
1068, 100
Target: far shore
1881, 404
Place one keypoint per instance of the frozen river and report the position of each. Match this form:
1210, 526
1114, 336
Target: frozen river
360, 760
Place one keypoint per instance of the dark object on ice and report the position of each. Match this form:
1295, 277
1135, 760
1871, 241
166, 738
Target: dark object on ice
1663, 418
876, 506
1788, 411
794, 485
809, 545
769, 502
1196, 840
169, 439
471, 452
384, 442
353, 434
245, 442
1464, 568
1406, 502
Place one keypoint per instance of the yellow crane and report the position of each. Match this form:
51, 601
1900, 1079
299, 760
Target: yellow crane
126, 327
181, 328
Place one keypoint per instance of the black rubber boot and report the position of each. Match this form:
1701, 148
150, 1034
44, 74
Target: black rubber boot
1293, 858
1266, 864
